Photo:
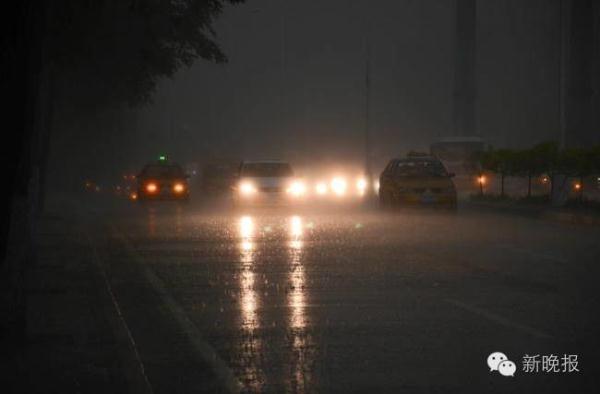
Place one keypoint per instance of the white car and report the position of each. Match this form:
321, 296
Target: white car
268, 181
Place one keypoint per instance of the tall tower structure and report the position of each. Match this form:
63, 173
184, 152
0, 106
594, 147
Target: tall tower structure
465, 75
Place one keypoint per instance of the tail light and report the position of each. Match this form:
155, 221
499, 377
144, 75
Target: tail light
151, 187
178, 188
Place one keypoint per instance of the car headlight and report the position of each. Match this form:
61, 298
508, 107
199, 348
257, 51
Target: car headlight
247, 188
339, 186
361, 185
297, 188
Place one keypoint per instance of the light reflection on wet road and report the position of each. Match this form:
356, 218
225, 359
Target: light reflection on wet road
250, 345
354, 301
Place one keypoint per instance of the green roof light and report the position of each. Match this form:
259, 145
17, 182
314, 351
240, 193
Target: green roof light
162, 158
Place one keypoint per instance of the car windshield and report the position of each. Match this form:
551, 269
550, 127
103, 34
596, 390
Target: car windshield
266, 169
419, 168
163, 171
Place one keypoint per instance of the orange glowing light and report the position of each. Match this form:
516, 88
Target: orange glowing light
151, 187
133, 196
179, 188
481, 180
577, 186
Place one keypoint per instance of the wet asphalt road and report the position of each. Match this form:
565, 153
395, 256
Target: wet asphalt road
351, 300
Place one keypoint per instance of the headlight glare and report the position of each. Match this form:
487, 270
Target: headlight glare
361, 185
338, 185
297, 188
247, 188
321, 188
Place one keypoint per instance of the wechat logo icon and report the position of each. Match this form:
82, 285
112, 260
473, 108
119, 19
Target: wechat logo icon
497, 361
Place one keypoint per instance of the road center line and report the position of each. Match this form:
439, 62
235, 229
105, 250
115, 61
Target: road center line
499, 319
203, 348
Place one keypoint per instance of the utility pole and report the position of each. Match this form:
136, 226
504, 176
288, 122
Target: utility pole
282, 132
562, 66
367, 130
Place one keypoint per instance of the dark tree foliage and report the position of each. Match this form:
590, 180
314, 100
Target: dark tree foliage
500, 161
73, 55
544, 158
113, 51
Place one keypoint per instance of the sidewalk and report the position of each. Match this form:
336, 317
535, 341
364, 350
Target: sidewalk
75, 340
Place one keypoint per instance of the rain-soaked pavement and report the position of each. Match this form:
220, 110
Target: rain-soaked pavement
350, 300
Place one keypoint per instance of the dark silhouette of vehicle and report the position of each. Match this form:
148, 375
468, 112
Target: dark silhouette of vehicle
417, 181
268, 181
162, 181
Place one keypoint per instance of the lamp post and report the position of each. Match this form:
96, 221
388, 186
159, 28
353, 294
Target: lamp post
367, 130
481, 182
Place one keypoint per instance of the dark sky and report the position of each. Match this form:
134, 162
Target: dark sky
294, 84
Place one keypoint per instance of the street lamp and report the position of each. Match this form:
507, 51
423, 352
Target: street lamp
368, 175
481, 181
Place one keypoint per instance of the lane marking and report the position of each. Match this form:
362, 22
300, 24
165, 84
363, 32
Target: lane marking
203, 348
499, 319
132, 343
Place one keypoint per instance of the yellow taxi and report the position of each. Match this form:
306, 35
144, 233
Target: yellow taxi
417, 181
